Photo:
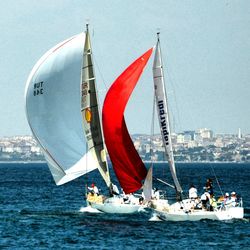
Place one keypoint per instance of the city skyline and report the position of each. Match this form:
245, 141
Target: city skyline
237, 133
205, 47
189, 146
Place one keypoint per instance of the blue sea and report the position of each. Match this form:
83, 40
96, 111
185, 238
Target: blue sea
37, 214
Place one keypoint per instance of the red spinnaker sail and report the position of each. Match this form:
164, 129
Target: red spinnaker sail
126, 162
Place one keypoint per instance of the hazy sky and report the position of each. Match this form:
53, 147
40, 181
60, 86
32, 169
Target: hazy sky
206, 47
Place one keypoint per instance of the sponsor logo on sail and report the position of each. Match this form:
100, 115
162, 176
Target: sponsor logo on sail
163, 122
88, 115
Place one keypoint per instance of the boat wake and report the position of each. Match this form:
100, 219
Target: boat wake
89, 209
47, 213
33, 213
142, 210
155, 217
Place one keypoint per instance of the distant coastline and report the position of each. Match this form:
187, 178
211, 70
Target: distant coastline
23, 162
146, 162
199, 146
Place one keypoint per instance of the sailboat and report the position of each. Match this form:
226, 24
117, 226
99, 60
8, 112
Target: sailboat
182, 209
126, 162
62, 110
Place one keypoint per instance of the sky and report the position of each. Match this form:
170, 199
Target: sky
205, 46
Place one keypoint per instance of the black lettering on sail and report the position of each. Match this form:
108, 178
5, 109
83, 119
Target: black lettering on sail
161, 106
38, 88
166, 139
165, 132
163, 124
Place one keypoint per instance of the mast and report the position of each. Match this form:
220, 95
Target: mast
163, 114
90, 111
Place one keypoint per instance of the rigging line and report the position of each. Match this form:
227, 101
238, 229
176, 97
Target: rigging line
172, 82
101, 98
102, 78
98, 69
176, 104
211, 167
216, 179
164, 182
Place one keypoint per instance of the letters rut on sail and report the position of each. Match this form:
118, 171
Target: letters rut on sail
38, 88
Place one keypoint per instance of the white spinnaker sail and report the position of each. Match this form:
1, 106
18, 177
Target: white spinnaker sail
53, 109
163, 113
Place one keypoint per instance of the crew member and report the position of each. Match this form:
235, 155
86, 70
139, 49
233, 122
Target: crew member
93, 189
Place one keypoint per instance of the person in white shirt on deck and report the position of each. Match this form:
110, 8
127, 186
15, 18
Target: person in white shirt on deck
226, 199
232, 201
204, 200
192, 193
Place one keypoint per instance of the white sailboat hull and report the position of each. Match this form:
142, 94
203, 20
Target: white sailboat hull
186, 209
115, 205
235, 213
117, 208
179, 212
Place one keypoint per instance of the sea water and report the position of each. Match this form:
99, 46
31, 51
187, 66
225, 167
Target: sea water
37, 214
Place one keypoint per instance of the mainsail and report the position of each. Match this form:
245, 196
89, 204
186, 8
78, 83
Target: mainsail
126, 162
163, 113
90, 112
53, 109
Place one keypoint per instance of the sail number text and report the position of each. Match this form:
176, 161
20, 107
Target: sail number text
38, 88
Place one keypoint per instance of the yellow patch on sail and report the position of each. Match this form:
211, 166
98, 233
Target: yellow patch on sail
103, 155
88, 115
